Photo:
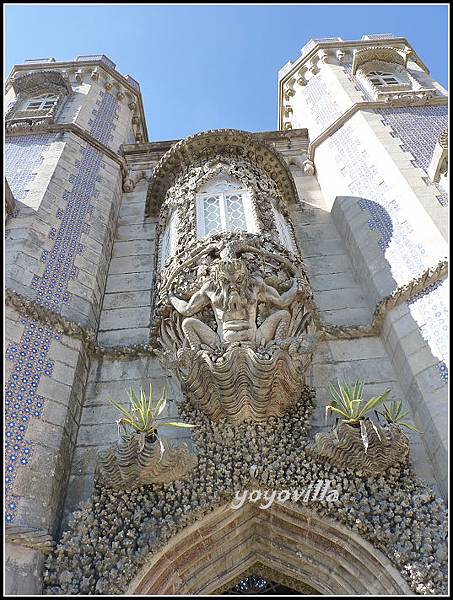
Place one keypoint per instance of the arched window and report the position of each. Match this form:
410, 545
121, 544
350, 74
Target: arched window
224, 204
169, 238
41, 102
382, 78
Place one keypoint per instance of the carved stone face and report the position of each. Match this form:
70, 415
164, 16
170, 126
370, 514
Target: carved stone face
231, 274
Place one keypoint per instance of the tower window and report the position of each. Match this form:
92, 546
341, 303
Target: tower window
41, 102
381, 78
224, 205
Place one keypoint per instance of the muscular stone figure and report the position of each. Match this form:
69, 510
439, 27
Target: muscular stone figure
234, 296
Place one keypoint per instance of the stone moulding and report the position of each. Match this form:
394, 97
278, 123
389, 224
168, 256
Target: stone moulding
213, 143
343, 447
380, 53
41, 82
29, 307
10, 202
37, 539
127, 465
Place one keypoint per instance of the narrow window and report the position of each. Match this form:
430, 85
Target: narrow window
283, 231
169, 238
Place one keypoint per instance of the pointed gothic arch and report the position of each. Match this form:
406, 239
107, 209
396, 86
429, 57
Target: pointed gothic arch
306, 548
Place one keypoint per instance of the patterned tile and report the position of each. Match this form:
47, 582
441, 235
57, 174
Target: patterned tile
430, 310
399, 239
320, 102
30, 355
419, 127
23, 156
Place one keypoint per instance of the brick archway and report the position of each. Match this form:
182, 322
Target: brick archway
292, 540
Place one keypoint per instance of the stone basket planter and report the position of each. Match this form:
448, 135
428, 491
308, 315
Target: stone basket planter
344, 448
130, 465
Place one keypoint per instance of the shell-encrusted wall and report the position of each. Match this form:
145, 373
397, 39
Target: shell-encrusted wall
112, 534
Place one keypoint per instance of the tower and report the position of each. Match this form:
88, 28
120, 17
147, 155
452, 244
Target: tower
377, 124
65, 123
242, 273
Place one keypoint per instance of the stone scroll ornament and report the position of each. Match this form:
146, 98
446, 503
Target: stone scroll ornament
235, 323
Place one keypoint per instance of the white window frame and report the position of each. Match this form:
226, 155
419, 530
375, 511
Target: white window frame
222, 196
41, 102
380, 78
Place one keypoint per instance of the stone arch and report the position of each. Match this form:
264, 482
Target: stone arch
214, 143
292, 540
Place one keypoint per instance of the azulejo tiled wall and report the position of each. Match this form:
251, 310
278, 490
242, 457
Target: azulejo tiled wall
399, 239
430, 310
418, 127
29, 356
23, 156
321, 103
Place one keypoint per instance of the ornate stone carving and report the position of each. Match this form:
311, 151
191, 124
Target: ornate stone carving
308, 167
438, 166
340, 55
344, 448
377, 53
129, 465
244, 354
208, 146
32, 84
410, 97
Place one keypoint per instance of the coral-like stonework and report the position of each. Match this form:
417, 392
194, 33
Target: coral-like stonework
112, 535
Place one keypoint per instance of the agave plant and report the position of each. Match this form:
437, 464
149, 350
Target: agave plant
349, 404
142, 417
394, 414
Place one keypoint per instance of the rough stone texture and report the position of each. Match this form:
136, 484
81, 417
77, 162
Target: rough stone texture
397, 513
346, 198
23, 571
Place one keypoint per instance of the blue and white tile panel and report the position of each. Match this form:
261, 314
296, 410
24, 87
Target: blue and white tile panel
29, 356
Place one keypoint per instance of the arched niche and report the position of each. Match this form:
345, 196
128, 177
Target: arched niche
306, 549
215, 143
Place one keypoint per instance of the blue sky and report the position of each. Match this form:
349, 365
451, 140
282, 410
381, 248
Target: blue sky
206, 67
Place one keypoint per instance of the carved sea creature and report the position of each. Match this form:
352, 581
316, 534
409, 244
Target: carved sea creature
130, 465
343, 447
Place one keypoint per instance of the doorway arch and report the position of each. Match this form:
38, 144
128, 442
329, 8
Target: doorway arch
292, 540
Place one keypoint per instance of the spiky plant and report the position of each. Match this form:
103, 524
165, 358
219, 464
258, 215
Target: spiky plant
142, 417
352, 408
348, 402
394, 414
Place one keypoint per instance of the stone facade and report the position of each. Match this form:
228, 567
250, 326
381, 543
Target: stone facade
126, 265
